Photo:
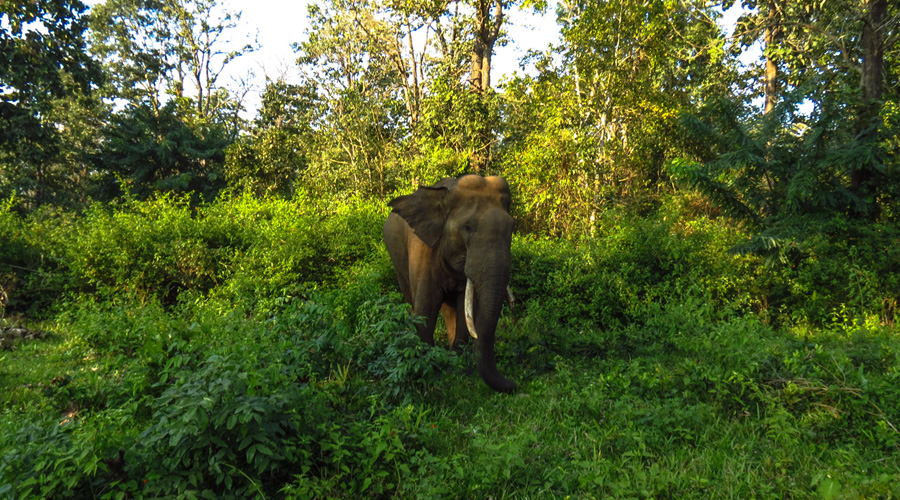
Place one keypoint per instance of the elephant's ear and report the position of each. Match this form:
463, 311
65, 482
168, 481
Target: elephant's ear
424, 211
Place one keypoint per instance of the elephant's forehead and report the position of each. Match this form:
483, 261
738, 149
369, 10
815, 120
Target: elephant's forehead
477, 182
474, 192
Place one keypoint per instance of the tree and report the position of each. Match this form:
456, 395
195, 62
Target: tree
147, 150
485, 30
404, 86
70, 176
369, 77
160, 49
604, 118
833, 55
275, 154
877, 34
792, 172
486, 26
43, 60
166, 58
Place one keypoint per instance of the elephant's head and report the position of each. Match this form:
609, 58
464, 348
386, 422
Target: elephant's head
466, 223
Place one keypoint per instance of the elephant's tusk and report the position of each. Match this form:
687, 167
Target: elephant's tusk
470, 315
510, 297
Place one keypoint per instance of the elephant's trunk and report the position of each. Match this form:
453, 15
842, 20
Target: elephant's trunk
487, 305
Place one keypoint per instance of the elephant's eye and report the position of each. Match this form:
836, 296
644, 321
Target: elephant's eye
468, 228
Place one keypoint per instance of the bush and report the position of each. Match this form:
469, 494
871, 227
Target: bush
228, 423
31, 278
243, 248
122, 325
846, 267
610, 280
46, 458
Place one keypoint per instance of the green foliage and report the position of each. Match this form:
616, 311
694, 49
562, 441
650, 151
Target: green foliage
13, 255
597, 130
270, 161
151, 48
789, 179
151, 151
116, 326
612, 278
45, 68
555, 194
844, 267
48, 459
251, 345
459, 120
406, 364
267, 164
281, 364
224, 421
248, 248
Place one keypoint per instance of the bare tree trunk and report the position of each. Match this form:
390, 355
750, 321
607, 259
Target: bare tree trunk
416, 97
487, 29
771, 39
871, 87
872, 83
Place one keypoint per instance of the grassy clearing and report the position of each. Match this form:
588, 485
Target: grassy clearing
262, 364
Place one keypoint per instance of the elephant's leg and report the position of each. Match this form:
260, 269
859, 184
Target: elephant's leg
457, 333
425, 296
449, 314
427, 305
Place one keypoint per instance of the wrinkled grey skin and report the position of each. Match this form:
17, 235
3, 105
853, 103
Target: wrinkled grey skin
439, 237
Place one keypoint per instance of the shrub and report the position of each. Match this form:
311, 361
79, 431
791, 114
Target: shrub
149, 249
47, 458
244, 248
121, 325
224, 425
610, 280
409, 366
847, 267
31, 277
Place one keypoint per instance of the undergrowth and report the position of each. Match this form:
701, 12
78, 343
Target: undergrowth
252, 348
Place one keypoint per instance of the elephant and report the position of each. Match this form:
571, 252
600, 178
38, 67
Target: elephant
450, 246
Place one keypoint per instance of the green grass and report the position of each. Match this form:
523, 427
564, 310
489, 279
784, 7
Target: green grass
648, 365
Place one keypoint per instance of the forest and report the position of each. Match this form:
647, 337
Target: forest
706, 256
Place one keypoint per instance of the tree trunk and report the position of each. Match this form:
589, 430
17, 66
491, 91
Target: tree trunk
871, 89
771, 39
416, 94
487, 29
872, 83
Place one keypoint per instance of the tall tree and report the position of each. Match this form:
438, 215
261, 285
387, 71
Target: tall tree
826, 150
159, 49
486, 27
146, 150
166, 58
42, 59
599, 123
875, 33
832, 54
361, 108
269, 160
772, 35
